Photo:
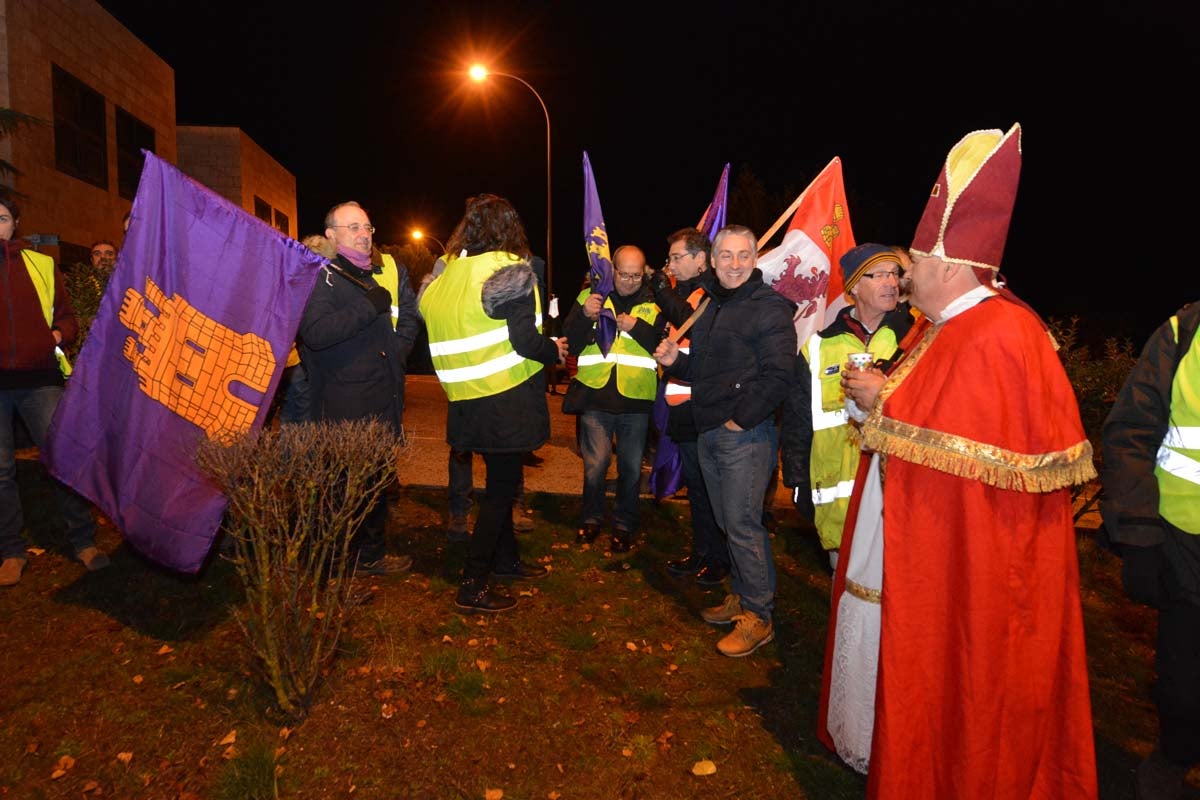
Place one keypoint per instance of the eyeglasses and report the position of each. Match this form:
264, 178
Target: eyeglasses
356, 228
632, 277
881, 275
104, 253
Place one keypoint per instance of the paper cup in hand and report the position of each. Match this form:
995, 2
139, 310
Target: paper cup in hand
861, 360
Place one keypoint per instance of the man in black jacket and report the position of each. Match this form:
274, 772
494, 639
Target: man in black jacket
743, 351
355, 336
688, 262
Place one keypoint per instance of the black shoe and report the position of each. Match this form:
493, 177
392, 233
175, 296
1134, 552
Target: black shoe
475, 595
622, 541
520, 570
532, 460
712, 574
685, 566
587, 533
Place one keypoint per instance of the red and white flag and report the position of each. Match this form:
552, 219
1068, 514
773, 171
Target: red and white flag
804, 267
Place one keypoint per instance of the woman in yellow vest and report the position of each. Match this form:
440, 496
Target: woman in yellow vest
483, 315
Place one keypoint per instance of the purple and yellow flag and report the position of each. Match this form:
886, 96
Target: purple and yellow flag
666, 474
600, 269
189, 342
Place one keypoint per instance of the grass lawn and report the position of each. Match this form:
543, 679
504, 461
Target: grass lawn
134, 682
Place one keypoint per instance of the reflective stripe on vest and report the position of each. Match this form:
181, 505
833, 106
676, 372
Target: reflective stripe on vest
637, 371
472, 354
1177, 467
678, 392
390, 280
41, 272
821, 419
821, 496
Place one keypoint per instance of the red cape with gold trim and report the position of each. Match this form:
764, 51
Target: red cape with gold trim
983, 684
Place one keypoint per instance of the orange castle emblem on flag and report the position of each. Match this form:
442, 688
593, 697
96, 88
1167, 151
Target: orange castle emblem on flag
187, 361
833, 230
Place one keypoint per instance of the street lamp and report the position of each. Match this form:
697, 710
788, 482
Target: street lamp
419, 234
479, 74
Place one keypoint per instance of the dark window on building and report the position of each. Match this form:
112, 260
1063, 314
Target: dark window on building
281, 221
133, 136
262, 209
80, 136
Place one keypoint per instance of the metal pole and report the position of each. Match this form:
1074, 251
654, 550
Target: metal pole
549, 207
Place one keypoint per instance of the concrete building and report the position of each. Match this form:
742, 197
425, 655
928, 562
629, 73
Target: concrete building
102, 96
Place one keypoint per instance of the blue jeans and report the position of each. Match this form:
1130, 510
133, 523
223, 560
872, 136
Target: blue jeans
596, 431
737, 467
35, 407
295, 408
708, 543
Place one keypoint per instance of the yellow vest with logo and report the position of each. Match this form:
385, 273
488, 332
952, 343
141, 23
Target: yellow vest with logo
41, 272
390, 280
1178, 461
834, 458
637, 371
471, 352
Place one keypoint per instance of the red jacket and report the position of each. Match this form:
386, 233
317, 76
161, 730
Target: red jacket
26, 342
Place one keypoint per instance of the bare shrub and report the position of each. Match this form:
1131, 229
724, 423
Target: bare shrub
295, 495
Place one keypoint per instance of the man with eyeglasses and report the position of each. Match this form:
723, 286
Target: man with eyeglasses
819, 457
355, 336
742, 354
614, 393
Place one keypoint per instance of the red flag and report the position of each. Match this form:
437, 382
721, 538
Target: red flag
804, 268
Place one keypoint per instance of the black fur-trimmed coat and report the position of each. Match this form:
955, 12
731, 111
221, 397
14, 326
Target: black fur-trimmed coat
516, 420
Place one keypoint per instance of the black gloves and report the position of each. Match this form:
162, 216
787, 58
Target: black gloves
380, 298
802, 500
1146, 574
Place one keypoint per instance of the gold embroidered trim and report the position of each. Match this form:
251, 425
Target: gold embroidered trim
966, 458
863, 593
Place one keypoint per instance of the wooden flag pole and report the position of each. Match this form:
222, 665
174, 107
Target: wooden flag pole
678, 334
786, 215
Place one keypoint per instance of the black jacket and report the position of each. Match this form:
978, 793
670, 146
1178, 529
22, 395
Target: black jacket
743, 352
581, 332
353, 357
516, 420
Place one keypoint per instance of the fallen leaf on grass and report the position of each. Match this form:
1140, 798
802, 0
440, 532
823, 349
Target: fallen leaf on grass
704, 767
279, 751
483, 665
284, 733
472, 642
230, 738
61, 766
493, 794
553, 796
625, 751
560, 768
230, 753
90, 786
446, 638
673, 667
387, 710
631, 647
162, 651
37, 551
125, 758
32, 748
137, 679
421, 723
667, 646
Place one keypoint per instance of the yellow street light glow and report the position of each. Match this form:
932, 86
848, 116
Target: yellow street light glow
478, 73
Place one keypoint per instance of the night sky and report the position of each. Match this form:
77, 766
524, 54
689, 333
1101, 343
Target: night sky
370, 102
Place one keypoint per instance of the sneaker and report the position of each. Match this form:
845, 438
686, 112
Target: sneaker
749, 634
1159, 779
388, 565
458, 531
727, 612
92, 558
520, 570
10, 571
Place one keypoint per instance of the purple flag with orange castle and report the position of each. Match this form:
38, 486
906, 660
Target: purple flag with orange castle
189, 342
600, 268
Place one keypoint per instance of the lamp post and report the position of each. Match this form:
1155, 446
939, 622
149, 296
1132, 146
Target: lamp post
479, 74
419, 234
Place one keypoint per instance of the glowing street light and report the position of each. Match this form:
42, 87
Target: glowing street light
479, 74
418, 235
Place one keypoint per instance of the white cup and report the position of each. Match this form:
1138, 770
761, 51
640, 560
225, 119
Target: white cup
861, 360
